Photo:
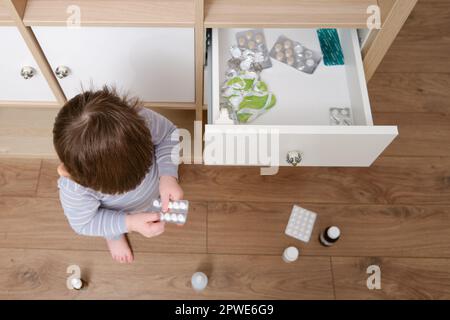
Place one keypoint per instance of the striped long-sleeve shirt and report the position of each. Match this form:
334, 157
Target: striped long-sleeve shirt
93, 213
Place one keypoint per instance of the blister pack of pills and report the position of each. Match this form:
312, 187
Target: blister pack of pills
247, 96
177, 213
296, 55
341, 117
301, 223
244, 60
255, 41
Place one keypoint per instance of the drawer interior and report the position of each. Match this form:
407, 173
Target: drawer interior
302, 99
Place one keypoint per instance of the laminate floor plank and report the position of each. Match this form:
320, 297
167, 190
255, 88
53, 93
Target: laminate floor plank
420, 134
410, 92
423, 44
390, 180
40, 223
41, 274
367, 230
19, 177
401, 278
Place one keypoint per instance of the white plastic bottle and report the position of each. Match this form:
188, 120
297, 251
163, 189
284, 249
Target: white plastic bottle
199, 281
290, 254
76, 283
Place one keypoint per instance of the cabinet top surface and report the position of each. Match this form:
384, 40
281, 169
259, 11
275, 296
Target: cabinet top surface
173, 13
217, 13
287, 13
5, 19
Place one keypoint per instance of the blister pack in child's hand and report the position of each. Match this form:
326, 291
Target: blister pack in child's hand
177, 213
296, 55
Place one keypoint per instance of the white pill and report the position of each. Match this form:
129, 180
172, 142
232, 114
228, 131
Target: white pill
173, 217
310, 63
235, 52
300, 66
245, 65
183, 206
298, 48
167, 216
161, 216
175, 205
170, 205
156, 203
181, 218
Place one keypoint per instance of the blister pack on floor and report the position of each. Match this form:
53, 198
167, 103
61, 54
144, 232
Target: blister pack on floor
301, 224
177, 213
296, 55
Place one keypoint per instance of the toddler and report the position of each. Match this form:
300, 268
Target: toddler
116, 158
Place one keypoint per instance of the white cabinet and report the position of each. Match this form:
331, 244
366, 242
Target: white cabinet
156, 64
14, 56
299, 123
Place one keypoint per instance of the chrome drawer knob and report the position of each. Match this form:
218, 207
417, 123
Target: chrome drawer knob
62, 72
27, 72
294, 158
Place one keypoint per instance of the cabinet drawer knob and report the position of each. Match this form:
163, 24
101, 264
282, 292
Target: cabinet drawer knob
294, 158
27, 72
62, 72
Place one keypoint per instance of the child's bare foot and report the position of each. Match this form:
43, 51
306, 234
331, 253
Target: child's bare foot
120, 250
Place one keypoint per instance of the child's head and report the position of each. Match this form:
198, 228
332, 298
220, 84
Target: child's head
103, 142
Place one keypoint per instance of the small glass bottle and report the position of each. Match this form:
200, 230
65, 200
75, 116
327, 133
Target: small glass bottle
329, 236
199, 281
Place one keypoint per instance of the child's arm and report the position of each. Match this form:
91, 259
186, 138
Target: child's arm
165, 138
87, 218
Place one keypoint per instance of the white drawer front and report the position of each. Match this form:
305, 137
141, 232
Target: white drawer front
156, 64
300, 120
329, 146
15, 55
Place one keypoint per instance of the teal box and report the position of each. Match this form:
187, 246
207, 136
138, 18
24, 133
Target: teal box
331, 47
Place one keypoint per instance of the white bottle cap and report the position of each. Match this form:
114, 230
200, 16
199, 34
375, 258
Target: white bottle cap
290, 254
199, 281
76, 283
333, 232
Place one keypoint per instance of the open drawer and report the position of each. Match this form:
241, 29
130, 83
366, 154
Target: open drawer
297, 129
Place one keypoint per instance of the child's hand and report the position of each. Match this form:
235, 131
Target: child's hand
147, 224
169, 189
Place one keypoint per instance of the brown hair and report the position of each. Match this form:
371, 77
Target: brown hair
103, 142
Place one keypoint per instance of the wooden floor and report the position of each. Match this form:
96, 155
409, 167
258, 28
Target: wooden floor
395, 214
